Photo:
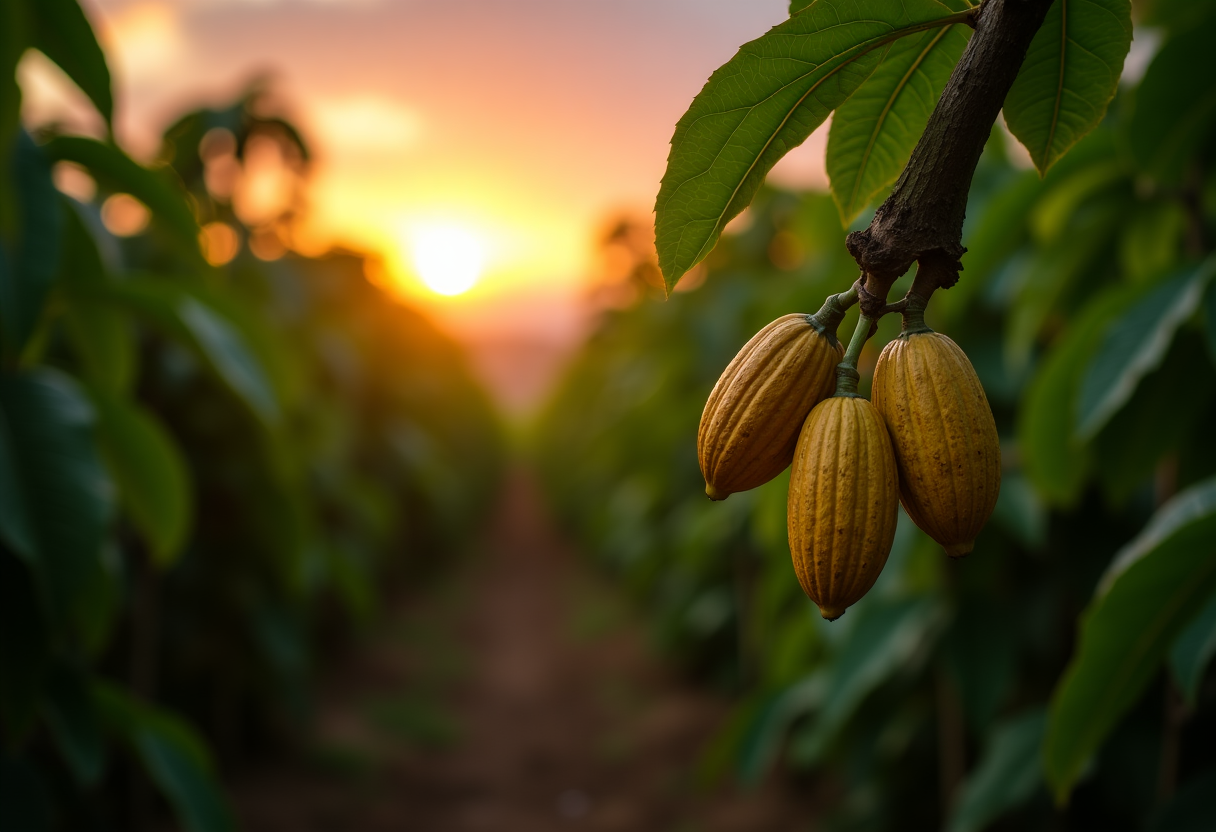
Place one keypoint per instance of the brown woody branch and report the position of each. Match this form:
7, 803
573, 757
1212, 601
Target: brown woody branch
922, 220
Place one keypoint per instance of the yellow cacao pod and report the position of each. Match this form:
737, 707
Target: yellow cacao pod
843, 503
750, 424
943, 433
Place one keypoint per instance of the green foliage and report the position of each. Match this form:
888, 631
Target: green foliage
149, 471
1152, 590
1069, 76
1171, 119
60, 30
763, 103
1087, 309
1006, 776
283, 438
874, 131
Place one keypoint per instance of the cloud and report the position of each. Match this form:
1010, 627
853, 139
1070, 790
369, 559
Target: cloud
366, 123
145, 40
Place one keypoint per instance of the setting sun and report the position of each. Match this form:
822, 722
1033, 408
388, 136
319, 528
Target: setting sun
448, 258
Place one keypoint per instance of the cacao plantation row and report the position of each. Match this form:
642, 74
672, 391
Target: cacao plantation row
208, 467
1059, 676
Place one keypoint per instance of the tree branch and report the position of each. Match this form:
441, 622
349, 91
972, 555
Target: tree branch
923, 218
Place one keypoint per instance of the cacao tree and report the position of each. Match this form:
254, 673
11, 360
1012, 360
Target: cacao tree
207, 466
1025, 680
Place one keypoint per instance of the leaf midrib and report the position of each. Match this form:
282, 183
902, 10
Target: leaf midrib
860, 50
882, 118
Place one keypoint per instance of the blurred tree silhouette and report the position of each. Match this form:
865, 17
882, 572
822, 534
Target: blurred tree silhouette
958, 695
213, 451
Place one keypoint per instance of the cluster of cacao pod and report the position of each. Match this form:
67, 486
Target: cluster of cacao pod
928, 440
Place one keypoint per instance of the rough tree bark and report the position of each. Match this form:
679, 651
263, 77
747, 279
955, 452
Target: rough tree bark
922, 219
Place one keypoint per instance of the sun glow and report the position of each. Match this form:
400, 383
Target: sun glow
449, 259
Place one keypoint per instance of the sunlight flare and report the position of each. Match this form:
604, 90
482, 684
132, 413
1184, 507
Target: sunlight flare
448, 258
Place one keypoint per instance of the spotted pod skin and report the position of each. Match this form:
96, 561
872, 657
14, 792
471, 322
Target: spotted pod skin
944, 436
843, 503
750, 424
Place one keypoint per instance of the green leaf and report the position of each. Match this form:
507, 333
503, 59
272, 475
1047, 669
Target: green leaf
1156, 420
200, 326
1007, 775
63, 33
764, 102
153, 480
1135, 345
798, 5
1152, 590
62, 485
225, 347
1054, 270
1054, 461
882, 641
1192, 809
874, 131
1174, 111
27, 277
1193, 651
1070, 74
99, 332
116, 171
174, 757
71, 712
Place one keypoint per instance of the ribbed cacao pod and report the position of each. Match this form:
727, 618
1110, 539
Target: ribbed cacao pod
843, 503
943, 433
750, 424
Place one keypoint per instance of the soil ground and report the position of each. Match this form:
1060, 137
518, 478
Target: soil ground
520, 697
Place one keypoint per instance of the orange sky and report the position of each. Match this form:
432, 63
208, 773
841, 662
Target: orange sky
524, 122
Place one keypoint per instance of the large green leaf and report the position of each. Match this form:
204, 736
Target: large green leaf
118, 172
33, 250
874, 132
1174, 113
71, 712
1152, 590
1156, 421
181, 314
99, 331
1070, 74
1054, 460
63, 34
151, 474
174, 757
764, 102
1006, 776
879, 646
1134, 346
1193, 652
62, 486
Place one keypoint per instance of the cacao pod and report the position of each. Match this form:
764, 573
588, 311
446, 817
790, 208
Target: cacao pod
751, 421
843, 503
943, 434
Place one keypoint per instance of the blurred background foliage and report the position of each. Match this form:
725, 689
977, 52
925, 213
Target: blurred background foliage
214, 452
1069, 656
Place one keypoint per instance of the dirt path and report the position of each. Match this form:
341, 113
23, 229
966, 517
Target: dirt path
519, 698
